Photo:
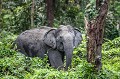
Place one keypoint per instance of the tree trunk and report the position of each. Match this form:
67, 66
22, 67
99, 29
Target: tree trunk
50, 12
32, 13
95, 31
0, 15
118, 28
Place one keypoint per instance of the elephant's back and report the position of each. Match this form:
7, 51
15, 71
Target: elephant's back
33, 37
34, 34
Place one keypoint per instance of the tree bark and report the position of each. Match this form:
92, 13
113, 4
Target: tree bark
32, 13
95, 31
50, 12
0, 15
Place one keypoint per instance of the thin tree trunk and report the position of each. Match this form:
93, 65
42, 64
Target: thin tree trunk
118, 27
95, 29
32, 13
0, 15
50, 12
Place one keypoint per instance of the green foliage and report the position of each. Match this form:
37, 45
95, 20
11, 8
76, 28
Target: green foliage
111, 31
112, 44
69, 14
112, 20
111, 54
12, 63
16, 18
16, 15
15, 65
90, 10
6, 41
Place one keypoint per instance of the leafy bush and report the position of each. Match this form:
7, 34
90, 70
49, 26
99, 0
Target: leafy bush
111, 57
6, 41
14, 65
112, 44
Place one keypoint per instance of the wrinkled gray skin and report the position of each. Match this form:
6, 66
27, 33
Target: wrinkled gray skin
36, 42
67, 38
55, 58
31, 42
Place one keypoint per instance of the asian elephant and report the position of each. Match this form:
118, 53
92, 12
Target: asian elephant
31, 42
67, 38
58, 42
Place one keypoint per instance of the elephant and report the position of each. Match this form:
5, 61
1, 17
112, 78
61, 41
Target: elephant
67, 38
31, 42
55, 58
58, 43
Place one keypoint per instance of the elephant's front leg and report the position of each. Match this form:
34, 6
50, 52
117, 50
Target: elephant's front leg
55, 59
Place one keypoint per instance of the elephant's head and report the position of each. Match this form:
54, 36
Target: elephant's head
67, 38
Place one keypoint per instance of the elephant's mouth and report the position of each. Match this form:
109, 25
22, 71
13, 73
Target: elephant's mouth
60, 46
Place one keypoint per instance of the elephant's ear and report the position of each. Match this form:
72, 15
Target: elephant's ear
78, 37
50, 39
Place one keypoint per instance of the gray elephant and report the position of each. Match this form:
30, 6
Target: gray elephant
67, 38
31, 42
60, 42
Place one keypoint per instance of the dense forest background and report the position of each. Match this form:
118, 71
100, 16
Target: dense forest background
17, 16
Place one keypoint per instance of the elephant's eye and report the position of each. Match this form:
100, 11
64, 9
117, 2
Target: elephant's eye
52, 42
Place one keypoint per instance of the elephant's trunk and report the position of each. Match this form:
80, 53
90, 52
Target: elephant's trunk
68, 48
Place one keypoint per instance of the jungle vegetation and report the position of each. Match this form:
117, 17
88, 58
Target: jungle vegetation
17, 16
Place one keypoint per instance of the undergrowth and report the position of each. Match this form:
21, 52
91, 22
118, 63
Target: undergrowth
14, 65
